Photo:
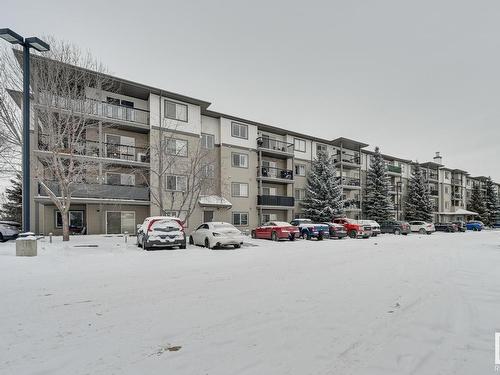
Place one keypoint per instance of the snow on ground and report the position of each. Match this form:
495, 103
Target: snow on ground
388, 305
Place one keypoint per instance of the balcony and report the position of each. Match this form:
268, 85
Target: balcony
275, 201
347, 159
434, 192
92, 148
277, 175
352, 205
395, 189
456, 181
103, 110
393, 169
433, 176
349, 182
102, 191
456, 196
276, 148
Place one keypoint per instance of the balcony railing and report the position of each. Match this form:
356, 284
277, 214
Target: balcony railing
101, 191
93, 107
349, 181
346, 157
273, 172
434, 192
433, 176
91, 148
275, 145
456, 181
275, 200
393, 169
352, 205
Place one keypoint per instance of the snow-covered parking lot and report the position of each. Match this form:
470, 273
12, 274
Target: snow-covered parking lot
387, 305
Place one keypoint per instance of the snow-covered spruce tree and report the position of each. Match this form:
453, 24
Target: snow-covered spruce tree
12, 207
490, 203
418, 205
377, 204
323, 198
476, 203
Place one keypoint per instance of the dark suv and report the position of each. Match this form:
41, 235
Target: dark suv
445, 227
396, 227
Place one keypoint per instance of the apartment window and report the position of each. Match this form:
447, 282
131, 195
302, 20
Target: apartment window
176, 111
239, 189
113, 178
75, 219
239, 160
207, 141
239, 130
300, 194
176, 183
299, 144
320, 148
300, 169
269, 191
240, 218
208, 170
447, 175
447, 189
177, 147
269, 217
446, 204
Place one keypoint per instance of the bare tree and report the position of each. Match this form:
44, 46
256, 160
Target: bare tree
63, 113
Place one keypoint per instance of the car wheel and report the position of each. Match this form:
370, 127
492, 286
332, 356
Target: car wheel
397, 231
254, 234
421, 231
474, 229
1, 238
291, 237
145, 244
274, 236
352, 234
429, 233
237, 246
308, 236
207, 243
191, 240
183, 246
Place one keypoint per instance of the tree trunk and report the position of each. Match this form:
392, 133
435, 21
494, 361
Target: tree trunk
65, 225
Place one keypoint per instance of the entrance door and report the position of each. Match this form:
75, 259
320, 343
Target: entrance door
118, 222
208, 216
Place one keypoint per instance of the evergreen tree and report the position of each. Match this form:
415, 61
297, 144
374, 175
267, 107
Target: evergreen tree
323, 197
476, 203
377, 203
418, 205
490, 203
12, 207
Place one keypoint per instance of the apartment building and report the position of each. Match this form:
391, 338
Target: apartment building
258, 170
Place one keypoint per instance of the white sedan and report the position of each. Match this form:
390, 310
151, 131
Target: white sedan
215, 234
422, 227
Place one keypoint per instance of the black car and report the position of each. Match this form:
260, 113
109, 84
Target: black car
336, 230
396, 227
461, 226
445, 227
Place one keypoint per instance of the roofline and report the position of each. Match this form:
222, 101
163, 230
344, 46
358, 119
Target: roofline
385, 156
343, 139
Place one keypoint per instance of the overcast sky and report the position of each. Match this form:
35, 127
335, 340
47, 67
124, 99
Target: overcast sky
412, 77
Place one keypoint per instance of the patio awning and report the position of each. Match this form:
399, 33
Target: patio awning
214, 201
460, 211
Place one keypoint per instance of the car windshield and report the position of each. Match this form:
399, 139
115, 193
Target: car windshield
225, 226
166, 226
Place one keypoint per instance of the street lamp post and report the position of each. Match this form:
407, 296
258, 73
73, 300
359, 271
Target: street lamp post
27, 43
398, 187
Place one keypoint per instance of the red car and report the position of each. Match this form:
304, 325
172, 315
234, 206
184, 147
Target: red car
354, 228
276, 230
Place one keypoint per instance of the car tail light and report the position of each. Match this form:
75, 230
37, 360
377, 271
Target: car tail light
429, 225
150, 224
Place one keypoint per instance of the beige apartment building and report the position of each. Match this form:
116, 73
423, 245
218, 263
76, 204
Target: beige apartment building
258, 171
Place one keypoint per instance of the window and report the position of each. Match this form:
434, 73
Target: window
113, 178
447, 189
207, 141
239, 130
176, 111
320, 148
269, 191
447, 175
176, 183
240, 218
239, 160
75, 219
300, 169
299, 144
208, 170
269, 217
239, 189
300, 194
178, 147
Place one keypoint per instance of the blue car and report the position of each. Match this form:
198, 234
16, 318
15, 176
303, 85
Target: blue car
310, 230
475, 226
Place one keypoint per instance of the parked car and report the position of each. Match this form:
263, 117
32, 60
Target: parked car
164, 233
310, 230
336, 230
422, 227
216, 234
373, 224
145, 227
445, 227
9, 230
475, 225
276, 230
396, 227
461, 226
353, 228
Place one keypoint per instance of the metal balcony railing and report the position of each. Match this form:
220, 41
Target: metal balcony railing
346, 157
456, 181
273, 172
349, 181
93, 107
275, 200
91, 148
352, 205
274, 145
101, 191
